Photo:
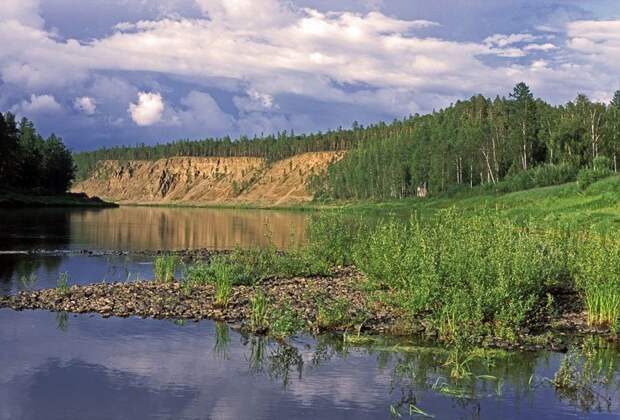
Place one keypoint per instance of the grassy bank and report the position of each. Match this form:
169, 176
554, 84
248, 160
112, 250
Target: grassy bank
9, 199
457, 277
597, 205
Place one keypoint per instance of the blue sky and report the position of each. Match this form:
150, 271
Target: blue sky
110, 72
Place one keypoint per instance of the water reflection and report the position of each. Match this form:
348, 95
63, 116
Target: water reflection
133, 368
137, 228
143, 228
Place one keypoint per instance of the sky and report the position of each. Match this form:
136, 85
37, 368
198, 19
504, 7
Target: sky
102, 73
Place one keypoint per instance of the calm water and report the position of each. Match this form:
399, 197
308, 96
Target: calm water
61, 366
148, 228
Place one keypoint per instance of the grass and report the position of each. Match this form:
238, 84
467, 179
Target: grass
487, 268
598, 279
63, 283
164, 268
284, 321
223, 281
597, 207
259, 315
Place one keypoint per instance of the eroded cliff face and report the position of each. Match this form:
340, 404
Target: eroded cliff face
212, 180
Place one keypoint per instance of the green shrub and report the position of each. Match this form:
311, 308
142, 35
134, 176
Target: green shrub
589, 176
330, 236
284, 321
540, 176
601, 168
464, 274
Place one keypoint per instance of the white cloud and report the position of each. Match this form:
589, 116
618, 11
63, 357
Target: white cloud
502, 40
263, 53
85, 104
39, 104
201, 114
148, 110
540, 47
24, 11
255, 101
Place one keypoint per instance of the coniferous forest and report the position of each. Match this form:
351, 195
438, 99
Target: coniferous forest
30, 163
507, 142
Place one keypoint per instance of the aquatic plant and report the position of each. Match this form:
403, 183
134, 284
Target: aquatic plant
284, 321
63, 283
258, 315
164, 267
333, 313
223, 289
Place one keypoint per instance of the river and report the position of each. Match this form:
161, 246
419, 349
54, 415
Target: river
64, 366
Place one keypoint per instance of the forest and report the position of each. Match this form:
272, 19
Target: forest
506, 143
271, 147
30, 163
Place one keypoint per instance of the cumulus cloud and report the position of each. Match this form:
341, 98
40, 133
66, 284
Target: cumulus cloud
24, 11
148, 110
39, 104
85, 104
262, 54
502, 40
540, 47
255, 101
201, 114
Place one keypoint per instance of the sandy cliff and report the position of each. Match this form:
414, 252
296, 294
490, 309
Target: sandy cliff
212, 180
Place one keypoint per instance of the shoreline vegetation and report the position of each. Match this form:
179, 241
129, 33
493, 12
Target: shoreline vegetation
21, 199
456, 277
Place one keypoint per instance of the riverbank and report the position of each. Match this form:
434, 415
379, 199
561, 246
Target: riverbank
20, 200
328, 303
596, 207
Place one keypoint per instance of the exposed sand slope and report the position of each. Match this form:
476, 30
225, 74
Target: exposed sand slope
191, 180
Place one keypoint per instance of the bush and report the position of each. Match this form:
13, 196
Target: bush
589, 176
463, 274
330, 237
540, 176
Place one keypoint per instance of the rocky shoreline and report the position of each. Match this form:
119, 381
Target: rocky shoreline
333, 303
171, 300
203, 254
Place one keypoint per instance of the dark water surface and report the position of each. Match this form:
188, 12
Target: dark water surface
62, 366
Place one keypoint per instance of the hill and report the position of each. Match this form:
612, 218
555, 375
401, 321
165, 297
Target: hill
208, 180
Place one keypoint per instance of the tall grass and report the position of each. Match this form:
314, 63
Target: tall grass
164, 268
255, 265
597, 271
462, 273
63, 283
223, 282
259, 312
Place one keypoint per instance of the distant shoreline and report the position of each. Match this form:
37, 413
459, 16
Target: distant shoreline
9, 200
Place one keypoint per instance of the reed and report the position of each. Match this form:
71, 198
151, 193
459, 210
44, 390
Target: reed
164, 268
